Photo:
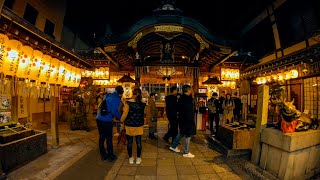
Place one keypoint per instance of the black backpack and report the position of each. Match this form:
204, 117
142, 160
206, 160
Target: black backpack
104, 107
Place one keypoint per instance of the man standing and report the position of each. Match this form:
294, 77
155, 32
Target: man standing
104, 123
151, 115
221, 100
213, 105
186, 121
237, 108
171, 110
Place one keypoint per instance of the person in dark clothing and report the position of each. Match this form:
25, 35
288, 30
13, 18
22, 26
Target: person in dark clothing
237, 108
221, 100
171, 110
213, 106
186, 121
105, 123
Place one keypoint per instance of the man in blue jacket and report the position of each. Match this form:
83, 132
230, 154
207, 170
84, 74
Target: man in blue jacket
105, 124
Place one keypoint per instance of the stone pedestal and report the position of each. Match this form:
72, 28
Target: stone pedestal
290, 155
16, 153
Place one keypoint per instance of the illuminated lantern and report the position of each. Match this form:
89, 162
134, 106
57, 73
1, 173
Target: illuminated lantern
67, 81
287, 75
78, 77
61, 73
45, 69
280, 76
268, 78
54, 71
11, 58
258, 80
3, 43
26, 55
34, 65
294, 73
73, 77
274, 77
263, 80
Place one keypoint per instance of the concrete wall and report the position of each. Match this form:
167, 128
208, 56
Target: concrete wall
53, 10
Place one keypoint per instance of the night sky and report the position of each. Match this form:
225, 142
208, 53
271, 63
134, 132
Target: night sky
222, 17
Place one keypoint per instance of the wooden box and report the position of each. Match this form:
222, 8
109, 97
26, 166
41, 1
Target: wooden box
236, 137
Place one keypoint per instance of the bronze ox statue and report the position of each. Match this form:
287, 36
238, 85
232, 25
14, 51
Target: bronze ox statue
292, 119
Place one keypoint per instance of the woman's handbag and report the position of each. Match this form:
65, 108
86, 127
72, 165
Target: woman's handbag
122, 136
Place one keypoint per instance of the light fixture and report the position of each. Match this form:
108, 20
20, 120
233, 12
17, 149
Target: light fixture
212, 80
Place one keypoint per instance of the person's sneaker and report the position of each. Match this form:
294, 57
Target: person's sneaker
174, 149
138, 161
189, 155
131, 160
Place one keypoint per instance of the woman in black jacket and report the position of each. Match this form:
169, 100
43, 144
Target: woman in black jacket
133, 118
186, 121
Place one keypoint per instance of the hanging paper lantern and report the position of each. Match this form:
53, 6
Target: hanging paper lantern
3, 43
62, 73
45, 69
294, 73
73, 77
274, 77
67, 81
280, 76
26, 54
54, 71
287, 75
34, 65
78, 77
11, 58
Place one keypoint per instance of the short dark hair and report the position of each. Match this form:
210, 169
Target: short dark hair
185, 88
152, 94
214, 94
173, 88
119, 89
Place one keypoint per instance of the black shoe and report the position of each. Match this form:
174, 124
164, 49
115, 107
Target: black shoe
104, 157
166, 140
112, 157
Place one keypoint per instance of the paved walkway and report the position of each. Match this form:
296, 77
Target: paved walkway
78, 158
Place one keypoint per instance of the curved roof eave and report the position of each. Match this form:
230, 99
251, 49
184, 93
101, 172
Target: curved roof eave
170, 19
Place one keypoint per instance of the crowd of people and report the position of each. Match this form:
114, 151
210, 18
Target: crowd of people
222, 110
180, 114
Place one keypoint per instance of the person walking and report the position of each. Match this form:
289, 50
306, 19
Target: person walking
228, 107
105, 123
186, 121
213, 106
133, 119
151, 115
171, 111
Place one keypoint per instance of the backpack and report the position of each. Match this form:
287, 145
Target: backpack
104, 107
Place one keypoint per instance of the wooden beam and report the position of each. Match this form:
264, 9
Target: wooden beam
223, 60
261, 17
107, 56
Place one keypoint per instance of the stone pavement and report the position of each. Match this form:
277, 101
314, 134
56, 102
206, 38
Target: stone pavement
158, 162
77, 158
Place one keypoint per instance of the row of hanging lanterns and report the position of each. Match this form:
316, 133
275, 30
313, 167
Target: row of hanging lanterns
292, 74
24, 62
101, 73
230, 74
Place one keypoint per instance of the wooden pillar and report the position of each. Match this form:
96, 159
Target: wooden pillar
15, 101
196, 80
279, 52
54, 123
137, 74
262, 119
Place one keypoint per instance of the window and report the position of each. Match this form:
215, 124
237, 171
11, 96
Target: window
49, 28
30, 14
311, 96
9, 3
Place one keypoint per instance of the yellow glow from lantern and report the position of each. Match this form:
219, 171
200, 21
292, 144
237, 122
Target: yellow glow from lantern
24, 62
280, 76
287, 75
45, 69
10, 64
35, 64
294, 73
